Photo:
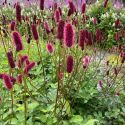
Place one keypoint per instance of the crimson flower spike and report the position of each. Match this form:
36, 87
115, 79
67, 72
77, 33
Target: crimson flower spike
69, 64
17, 41
34, 32
10, 59
69, 35
41, 4
18, 12
60, 30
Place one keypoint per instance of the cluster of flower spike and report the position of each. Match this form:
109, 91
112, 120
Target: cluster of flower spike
23, 64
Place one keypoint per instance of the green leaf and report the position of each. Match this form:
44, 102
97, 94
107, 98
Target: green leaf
91, 122
76, 119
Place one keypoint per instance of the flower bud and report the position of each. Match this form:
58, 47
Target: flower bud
34, 32
12, 25
69, 64
7, 82
18, 12
60, 30
10, 59
57, 15
50, 48
20, 78
83, 8
29, 67
41, 4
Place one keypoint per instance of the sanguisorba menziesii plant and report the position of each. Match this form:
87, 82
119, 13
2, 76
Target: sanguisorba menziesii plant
54, 58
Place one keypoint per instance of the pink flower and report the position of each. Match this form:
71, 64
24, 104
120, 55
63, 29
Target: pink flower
34, 32
12, 25
83, 8
60, 30
18, 12
41, 4
29, 67
7, 82
72, 7
10, 59
82, 38
86, 61
57, 16
50, 47
69, 64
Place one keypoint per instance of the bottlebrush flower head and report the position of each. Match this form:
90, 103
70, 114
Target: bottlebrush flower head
60, 30
10, 59
105, 3
72, 7
86, 61
47, 27
69, 35
18, 12
12, 79
69, 64
82, 38
50, 47
12, 25
42, 4
17, 40
83, 9
34, 32
57, 16
20, 78
7, 82
29, 67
